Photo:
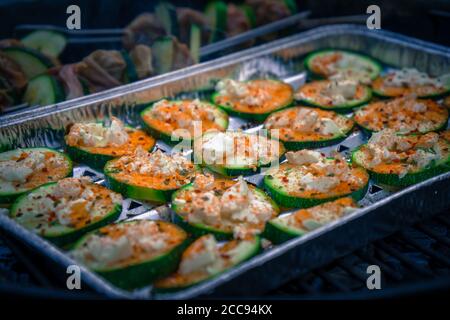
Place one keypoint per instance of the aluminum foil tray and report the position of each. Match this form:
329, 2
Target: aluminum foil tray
383, 211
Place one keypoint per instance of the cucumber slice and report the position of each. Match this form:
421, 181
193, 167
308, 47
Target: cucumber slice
49, 43
163, 52
167, 14
216, 14
346, 61
281, 96
231, 254
313, 94
296, 140
160, 129
142, 268
32, 62
413, 176
195, 42
97, 157
282, 185
298, 223
200, 229
211, 150
43, 90
57, 166
28, 206
130, 71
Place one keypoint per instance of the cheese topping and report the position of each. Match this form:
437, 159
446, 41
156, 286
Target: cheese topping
71, 203
308, 124
253, 97
23, 169
126, 243
410, 77
314, 217
343, 65
237, 207
182, 114
206, 257
309, 172
237, 148
404, 115
156, 163
242, 92
402, 154
97, 135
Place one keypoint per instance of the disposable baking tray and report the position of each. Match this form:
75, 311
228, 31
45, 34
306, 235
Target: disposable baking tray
383, 211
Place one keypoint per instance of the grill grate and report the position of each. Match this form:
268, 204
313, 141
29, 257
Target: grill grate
417, 254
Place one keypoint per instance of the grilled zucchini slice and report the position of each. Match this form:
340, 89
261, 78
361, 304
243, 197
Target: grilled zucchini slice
304, 127
132, 254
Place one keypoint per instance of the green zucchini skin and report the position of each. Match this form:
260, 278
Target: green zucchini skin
278, 233
143, 273
297, 202
72, 236
216, 14
93, 160
298, 145
197, 230
234, 172
314, 54
130, 70
167, 137
258, 117
256, 250
96, 161
8, 198
409, 178
135, 192
434, 96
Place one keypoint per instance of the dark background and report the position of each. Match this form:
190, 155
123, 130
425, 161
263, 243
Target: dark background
425, 19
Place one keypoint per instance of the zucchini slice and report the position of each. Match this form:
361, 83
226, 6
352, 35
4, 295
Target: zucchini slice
254, 99
97, 156
445, 135
250, 14
149, 176
32, 62
309, 179
400, 161
223, 208
195, 42
62, 212
298, 223
171, 120
130, 71
342, 64
132, 254
303, 127
22, 170
167, 14
43, 90
216, 14
340, 96
163, 53
235, 153
405, 82
49, 43
205, 259
404, 115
